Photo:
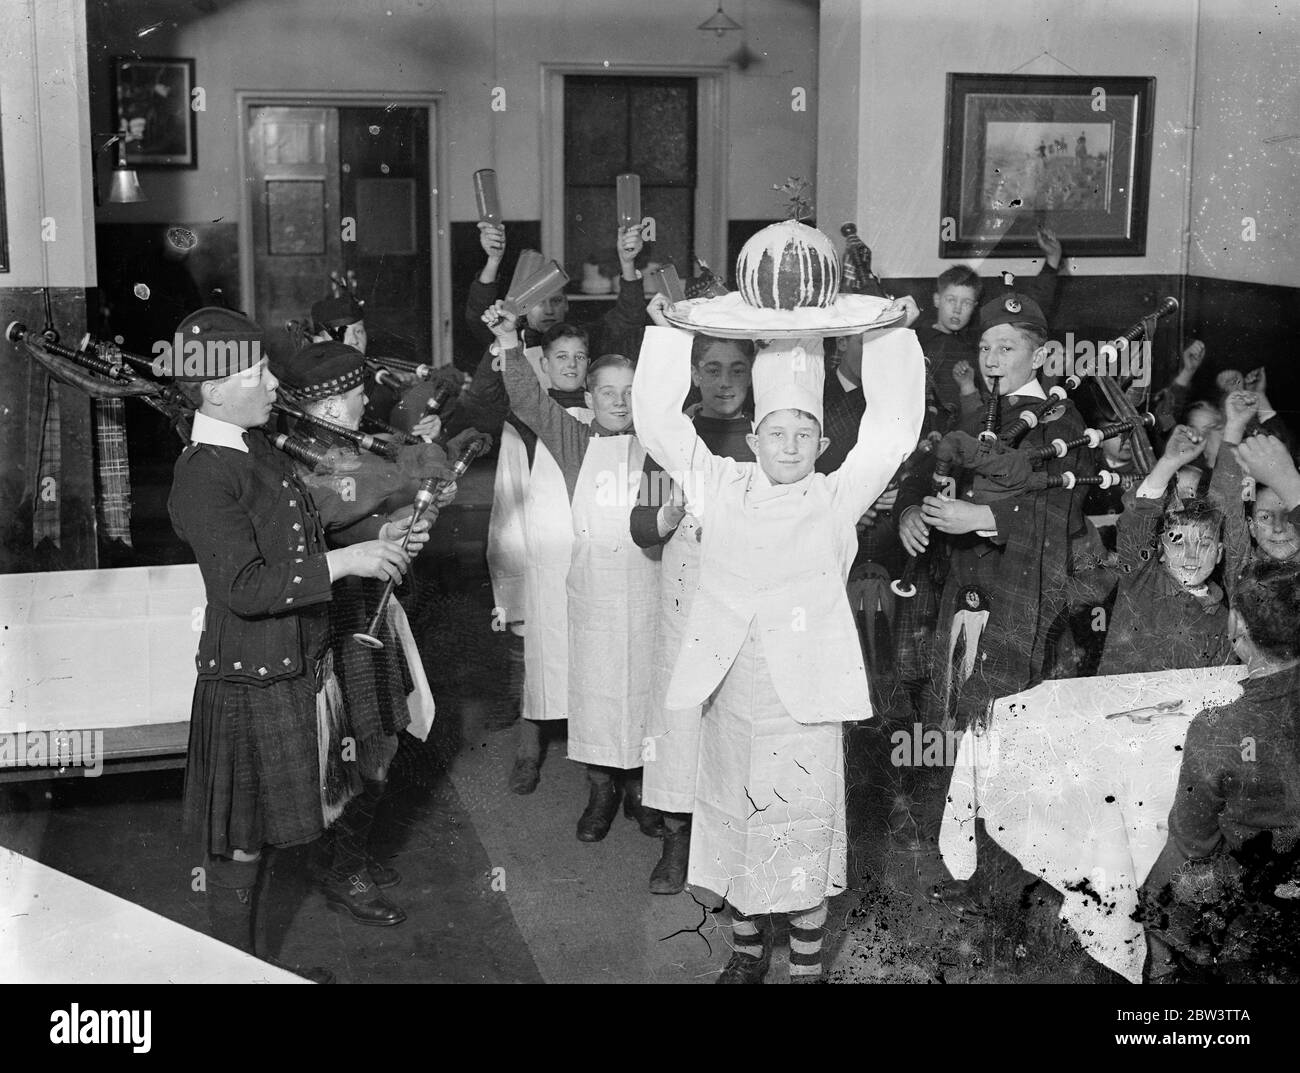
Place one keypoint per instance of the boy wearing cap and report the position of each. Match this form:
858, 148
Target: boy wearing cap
611, 586
362, 497
1010, 557
769, 641
266, 688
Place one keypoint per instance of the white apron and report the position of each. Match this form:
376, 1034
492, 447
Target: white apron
507, 548
768, 833
673, 734
613, 590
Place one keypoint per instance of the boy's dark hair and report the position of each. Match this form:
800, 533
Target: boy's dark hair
701, 343
192, 390
959, 276
1268, 601
1199, 512
606, 361
565, 331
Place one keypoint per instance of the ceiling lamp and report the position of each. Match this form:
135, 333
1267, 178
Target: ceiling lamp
719, 22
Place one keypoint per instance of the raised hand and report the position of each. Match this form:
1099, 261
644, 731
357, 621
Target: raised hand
1050, 245
501, 322
492, 237
1193, 356
1267, 460
655, 310
1239, 407
1185, 443
964, 373
630, 243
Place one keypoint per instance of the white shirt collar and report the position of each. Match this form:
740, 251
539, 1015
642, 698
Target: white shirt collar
849, 385
218, 433
1031, 389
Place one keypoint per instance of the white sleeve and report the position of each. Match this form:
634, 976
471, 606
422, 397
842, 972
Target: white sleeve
662, 381
893, 385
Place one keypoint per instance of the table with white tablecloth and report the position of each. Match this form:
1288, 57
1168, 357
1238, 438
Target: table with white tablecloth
1081, 800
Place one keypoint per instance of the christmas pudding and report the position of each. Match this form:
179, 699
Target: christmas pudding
788, 266
789, 279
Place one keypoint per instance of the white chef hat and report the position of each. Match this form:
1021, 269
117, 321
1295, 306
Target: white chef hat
789, 377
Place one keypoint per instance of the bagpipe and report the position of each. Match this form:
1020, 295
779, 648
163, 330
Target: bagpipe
1000, 466
103, 370
425, 497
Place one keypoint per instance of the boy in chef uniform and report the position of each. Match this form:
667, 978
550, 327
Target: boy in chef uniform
770, 642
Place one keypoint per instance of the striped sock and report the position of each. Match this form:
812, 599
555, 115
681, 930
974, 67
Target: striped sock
745, 936
807, 930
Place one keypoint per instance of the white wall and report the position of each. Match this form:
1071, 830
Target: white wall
46, 154
1248, 92
458, 47
906, 49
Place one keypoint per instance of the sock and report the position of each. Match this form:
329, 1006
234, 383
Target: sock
352, 834
677, 821
514, 672
528, 745
598, 776
745, 936
807, 929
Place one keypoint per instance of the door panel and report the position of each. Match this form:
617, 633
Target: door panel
292, 161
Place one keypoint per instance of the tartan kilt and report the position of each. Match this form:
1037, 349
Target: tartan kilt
375, 682
252, 775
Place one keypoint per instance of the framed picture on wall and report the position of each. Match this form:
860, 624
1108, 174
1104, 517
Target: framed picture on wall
151, 101
1072, 153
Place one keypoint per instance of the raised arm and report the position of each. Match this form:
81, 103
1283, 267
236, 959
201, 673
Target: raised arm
893, 384
663, 379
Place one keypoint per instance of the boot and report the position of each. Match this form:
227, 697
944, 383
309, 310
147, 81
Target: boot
526, 773
746, 969
669, 875
650, 820
349, 887
602, 804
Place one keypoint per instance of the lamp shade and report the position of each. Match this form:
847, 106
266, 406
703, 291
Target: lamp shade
125, 187
719, 22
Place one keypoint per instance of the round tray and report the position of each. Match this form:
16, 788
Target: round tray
730, 317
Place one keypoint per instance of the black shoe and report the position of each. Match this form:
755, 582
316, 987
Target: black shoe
525, 775
381, 874
650, 820
602, 806
743, 969
669, 875
357, 896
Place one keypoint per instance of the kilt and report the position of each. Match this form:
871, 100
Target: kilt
768, 833
253, 771
374, 682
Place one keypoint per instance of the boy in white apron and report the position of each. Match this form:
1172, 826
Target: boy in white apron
612, 586
721, 369
530, 538
770, 642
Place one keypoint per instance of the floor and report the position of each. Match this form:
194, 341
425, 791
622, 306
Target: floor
498, 889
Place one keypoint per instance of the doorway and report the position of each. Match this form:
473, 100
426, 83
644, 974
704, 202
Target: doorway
347, 190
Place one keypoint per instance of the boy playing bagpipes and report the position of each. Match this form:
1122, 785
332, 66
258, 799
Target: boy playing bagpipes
266, 688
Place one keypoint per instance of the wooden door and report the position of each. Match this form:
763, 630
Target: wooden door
297, 225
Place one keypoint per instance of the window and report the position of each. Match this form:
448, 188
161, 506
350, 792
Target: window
638, 124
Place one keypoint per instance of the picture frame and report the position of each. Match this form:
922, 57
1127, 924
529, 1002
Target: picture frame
151, 100
1070, 153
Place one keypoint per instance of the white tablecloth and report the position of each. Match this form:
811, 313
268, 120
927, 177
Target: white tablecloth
1080, 800
57, 929
82, 649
